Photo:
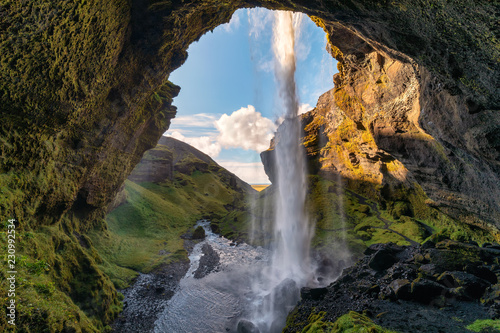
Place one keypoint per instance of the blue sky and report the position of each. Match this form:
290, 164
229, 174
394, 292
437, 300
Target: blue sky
227, 106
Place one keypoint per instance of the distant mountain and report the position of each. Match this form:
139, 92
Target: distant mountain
171, 155
172, 187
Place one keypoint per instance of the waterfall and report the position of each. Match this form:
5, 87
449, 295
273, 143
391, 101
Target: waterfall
277, 291
292, 233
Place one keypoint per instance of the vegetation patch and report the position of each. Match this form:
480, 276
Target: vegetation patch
485, 325
351, 322
146, 230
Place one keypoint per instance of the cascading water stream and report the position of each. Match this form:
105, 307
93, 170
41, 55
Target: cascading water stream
292, 233
290, 265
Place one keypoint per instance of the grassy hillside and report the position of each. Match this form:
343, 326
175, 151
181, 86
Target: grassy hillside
145, 230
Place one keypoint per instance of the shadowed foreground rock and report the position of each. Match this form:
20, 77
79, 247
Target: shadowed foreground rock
420, 291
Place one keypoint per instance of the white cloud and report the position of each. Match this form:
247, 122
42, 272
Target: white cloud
195, 120
304, 107
206, 144
252, 173
245, 128
201, 124
266, 66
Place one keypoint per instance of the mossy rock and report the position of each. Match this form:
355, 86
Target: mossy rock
352, 322
199, 233
400, 208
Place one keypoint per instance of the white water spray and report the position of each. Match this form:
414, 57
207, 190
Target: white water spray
278, 291
292, 233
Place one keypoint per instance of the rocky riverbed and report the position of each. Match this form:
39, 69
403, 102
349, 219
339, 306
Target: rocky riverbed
208, 293
148, 296
435, 287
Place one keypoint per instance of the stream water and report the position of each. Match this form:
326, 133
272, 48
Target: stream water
217, 301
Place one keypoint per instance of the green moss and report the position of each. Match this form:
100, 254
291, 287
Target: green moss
342, 216
56, 283
70, 72
351, 322
411, 229
485, 325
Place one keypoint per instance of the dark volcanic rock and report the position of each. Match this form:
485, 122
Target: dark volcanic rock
425, 291
382, 260
198, 233
468, 286
416, 292
401, 288
285, 294
245, 326
209, 262
147, 297
313, 293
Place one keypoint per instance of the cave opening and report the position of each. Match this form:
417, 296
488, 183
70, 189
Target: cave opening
86, 94
227, 105
238, 86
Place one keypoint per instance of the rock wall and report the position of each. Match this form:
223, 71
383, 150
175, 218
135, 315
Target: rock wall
390, 124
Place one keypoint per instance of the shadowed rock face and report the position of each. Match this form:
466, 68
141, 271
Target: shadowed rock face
390, 123
84, 92
410, 289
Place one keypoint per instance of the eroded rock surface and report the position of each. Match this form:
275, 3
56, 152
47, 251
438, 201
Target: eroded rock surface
419, 289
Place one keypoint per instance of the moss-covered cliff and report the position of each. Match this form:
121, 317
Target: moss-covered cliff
84, 93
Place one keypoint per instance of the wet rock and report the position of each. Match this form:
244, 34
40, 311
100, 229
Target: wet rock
401, 288
468, 286
215, 228
383, 259
209, 262
425, 291
148, 296
313, 293
404, 291
286, 294
428, 245
484, 273
198, 233
375, 248
452, 259
245, 326
430, 269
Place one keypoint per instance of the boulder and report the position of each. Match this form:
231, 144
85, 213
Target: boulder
467, 286
246, 326
425, 291
209, 262
286, 294
198, 233
382, 260
313, 293
401, 288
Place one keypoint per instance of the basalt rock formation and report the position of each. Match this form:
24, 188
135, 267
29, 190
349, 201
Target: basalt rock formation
390, 124
84, 93
435, 287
